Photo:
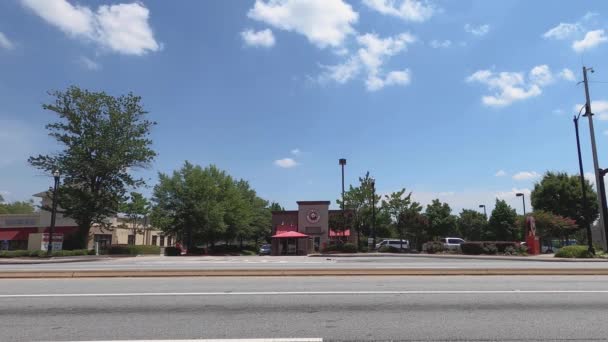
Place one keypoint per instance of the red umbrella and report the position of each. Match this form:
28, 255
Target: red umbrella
291, 234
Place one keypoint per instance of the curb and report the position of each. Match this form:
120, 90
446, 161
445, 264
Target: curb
457, 256
46, 261
303, 272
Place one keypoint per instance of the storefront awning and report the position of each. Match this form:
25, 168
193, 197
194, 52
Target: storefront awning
14, 234
289, 235
338, 233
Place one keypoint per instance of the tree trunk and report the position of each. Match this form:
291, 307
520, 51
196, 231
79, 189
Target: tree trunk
241, 243
82, 236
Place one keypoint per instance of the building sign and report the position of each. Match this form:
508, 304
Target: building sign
57, 242
312, 216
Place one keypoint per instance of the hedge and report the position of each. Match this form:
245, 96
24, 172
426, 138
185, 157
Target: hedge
433, 247
487, 247
42, 254
576, 251
343, 248
389, 249
172, 251
133, 250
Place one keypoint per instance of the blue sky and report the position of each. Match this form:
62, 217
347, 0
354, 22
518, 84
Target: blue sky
461, 100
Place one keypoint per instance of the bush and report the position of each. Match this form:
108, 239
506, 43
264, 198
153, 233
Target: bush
472, 247
433, 247
349, 248
133, 250
490, 249
389, 249
223, 249
172, 251
576, 251
43, 254
341, 248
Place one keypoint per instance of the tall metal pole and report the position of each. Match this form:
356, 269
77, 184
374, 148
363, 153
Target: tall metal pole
583, 189
373, 213
596, 166
484, 210
342, 162
523, 200
49, 249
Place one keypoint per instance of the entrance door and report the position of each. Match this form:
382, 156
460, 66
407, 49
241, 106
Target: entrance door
316, 242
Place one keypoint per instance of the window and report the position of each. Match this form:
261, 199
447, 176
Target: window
131, 239
162, 241
455, 241
169, 241
154, 238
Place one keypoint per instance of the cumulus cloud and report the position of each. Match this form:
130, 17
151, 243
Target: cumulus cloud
263, 38
562, 31
408, 10
121, 28
525, 175
436, 44
5, 43
343, 72
500, 173
285, 163
89, 63
323, 22
295, 151
509, 87
480, 30
591, 40
567, 74
541, 75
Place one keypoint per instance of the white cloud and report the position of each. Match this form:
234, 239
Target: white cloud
591, 40
408, 10
89, 63
526, 175
599, 109
562, 31
402, 77
541, 75
510, 87
480, 30
263, 38
296, 151
341, 73
558, 111
567, 74
505, 195
590, 176
440, 44
500, 173
121, 28
323, 22
285, 163
5, 43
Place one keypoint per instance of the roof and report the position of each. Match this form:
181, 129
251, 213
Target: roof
291, 234
312, 202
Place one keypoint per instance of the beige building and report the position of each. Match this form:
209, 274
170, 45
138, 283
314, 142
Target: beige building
119, 230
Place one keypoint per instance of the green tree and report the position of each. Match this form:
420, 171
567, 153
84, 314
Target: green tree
357, 200
549, 225
104, 139
561, 194
441, 222
274, 206
416, 225
471, 224
135, 208
398, 205
17, 207
503, 223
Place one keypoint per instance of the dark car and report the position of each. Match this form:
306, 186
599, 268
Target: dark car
264, 250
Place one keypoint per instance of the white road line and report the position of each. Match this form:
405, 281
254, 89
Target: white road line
222, 340
299, 293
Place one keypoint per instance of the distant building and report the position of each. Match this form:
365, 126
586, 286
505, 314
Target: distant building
15, 229
308, 229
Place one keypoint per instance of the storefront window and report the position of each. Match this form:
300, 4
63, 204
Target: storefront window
162, 241
154, 240
131, 240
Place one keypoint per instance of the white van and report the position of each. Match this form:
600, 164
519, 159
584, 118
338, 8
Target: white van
394, 243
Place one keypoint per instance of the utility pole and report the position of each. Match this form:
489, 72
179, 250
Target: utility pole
342, 162
596, 166
583, 191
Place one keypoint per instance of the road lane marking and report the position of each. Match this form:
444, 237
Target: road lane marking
299, 293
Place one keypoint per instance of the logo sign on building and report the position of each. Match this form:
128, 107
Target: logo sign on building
57, 242
313, 216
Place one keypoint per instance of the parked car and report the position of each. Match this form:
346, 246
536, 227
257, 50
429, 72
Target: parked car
264, 250
394, 243
451, 243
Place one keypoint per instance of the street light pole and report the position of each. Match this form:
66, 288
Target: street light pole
484, 210
596, 166
49, 249
583, 190
373, 213
523, 200
342, 162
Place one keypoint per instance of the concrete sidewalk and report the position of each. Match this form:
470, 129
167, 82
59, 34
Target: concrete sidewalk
541, 257
54, 260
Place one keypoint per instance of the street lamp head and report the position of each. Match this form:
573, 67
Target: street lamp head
342, 161
56, 173
519, 194
482, 205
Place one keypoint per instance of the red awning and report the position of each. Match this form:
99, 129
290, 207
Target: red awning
333, 233
16, 234
288, 235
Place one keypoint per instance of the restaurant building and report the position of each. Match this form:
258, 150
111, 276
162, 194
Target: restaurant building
308, 229
16, 228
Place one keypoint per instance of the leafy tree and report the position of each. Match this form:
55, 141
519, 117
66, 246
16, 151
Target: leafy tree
18, 207
441, 222
274, 206
561, 194
549, 225
135, 208
416, 225
471, 224
503, 223
399, 207
358, 201
103, 138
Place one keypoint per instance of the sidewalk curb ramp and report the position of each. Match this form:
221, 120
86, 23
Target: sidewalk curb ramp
302, 272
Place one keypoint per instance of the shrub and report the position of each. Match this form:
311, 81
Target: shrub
433, 247
472, 247
490, 249
341, 248
222, 249
388, 249
133, 250
576, 251
349, 248
510, 251
196, 251
172, 251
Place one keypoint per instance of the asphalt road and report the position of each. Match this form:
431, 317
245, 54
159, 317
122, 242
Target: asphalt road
332, 308
295, 262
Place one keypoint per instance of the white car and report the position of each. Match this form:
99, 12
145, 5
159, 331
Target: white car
394, 243
451, 243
